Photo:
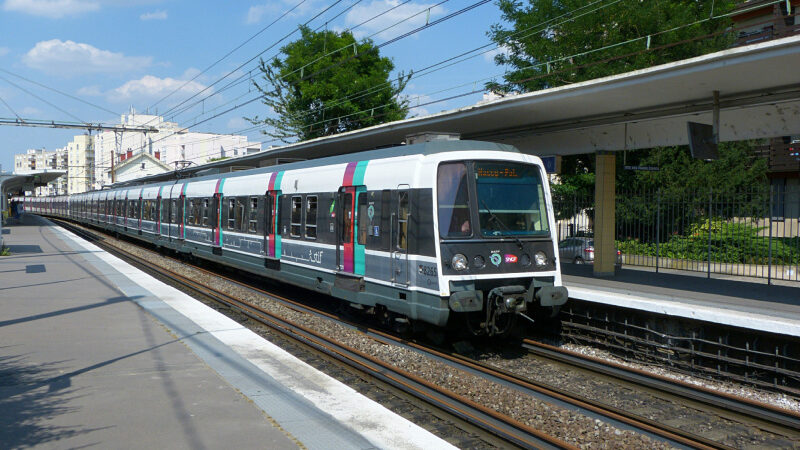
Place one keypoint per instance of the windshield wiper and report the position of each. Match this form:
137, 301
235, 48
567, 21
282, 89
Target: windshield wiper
494, 217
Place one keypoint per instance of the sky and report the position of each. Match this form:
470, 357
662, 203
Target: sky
109, 56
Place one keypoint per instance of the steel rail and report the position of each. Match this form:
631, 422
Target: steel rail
750, 408
463, 408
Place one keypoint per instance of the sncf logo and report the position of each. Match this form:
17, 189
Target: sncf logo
510, 259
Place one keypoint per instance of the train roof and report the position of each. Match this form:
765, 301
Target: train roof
425, 148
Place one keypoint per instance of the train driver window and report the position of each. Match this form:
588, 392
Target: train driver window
311, 217
453, 200
297, 210
363, 218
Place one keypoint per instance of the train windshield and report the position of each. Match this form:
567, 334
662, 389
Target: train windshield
510, 199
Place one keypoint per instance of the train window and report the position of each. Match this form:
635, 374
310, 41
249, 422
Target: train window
311, 217
232, 213
402, 220
192, 212
146, 210
269, 217
347, 214
164, 213
206, 212
240, 204
252, 215
173, 211
153, 212
362, 218
297, 216
453, 201
511, 199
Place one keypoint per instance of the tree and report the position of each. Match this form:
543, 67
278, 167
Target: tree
327, 83
555, 42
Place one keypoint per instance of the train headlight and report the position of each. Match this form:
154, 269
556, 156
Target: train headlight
459, 262
540, 258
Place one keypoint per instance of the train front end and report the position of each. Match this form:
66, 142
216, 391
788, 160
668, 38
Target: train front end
497, 244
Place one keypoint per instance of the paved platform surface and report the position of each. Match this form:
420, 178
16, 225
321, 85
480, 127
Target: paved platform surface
94, 353
731, 301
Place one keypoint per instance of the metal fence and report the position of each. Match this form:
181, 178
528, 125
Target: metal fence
752, 234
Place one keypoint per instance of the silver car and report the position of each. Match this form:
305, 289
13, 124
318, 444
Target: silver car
580, 250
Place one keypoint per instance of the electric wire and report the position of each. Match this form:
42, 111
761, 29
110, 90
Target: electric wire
58, 92
42, 100
287, 12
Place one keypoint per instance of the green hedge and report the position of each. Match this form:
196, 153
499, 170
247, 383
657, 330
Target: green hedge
735, 243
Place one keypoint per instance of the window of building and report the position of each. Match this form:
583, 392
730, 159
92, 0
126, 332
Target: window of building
297, 216
311, 217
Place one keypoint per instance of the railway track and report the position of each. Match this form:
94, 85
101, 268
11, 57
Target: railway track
464, 409
484, 418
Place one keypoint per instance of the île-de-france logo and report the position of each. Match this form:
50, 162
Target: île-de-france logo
496, 259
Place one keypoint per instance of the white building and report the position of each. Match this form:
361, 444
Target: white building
80, 170
137, 166
171, 145
41, 160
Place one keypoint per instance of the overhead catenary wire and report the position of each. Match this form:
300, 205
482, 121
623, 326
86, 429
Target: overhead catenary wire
422, 72
43, 100
50, 88
286, 13
247, 76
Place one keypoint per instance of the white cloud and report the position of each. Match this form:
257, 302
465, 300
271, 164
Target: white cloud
90, 91
489, 56
54, 9
72, 58
361, 13
151, 88
29, 111
418, 99
4, 51
238, 123
255, 13
155, 15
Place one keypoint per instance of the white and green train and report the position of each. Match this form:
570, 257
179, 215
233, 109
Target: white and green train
446, 232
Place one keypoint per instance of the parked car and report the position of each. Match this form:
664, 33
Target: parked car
580, 250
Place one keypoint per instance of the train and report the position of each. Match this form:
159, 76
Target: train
451, 234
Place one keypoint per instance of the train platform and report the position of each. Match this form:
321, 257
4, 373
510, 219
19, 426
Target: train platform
734, 301
94, 353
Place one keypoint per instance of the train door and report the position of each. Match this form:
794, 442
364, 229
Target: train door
139, 211
216, 223
157, 218
164, 216
350, 251
273, 237
180, 216
399, 223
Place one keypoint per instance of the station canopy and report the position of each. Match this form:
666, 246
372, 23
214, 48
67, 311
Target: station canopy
758, 96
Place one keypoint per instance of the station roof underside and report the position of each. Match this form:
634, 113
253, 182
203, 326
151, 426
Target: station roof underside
17, 183
759, 97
